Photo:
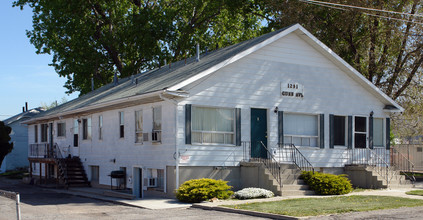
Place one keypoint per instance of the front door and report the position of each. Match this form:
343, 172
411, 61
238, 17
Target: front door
258, 133
137, 183
360, 132
75, 148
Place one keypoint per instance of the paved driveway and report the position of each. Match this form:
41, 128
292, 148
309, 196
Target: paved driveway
40, 203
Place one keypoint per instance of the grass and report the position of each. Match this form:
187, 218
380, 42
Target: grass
329, 205
15, 174
415, 192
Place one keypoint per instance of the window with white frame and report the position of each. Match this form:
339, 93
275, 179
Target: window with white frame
378, 132
86, 128
339, 123
138, 127
157, 124
35, 133
100, 127
61, 129
213, 125
301, 129
121, 125
44, 129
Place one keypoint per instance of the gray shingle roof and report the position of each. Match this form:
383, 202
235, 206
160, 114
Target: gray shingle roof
157, 79
23, 116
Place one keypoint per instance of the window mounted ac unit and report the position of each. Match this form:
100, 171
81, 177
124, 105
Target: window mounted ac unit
152, 182
156, 136
145, 136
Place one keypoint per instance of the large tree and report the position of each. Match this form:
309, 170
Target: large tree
387, 48
96, 38
5, 146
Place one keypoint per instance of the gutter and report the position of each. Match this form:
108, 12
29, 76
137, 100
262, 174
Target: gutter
106, 104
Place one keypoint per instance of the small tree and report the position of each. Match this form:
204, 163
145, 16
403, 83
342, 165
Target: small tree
5, 146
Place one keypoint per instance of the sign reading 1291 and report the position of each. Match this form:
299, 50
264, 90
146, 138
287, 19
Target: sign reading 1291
291, 89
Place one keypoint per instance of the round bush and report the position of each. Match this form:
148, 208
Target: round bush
197, 190
253, 193
327, 184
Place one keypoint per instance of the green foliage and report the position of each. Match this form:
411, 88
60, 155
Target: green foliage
5, 146
93, 39
197, 190
327, 184
415, 192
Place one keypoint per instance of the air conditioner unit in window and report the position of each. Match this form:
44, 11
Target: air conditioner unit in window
156, 136
152, 182
145, 136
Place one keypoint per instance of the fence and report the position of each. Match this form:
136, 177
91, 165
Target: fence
414, 153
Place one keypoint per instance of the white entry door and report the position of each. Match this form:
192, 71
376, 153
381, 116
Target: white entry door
360, 132
75, 144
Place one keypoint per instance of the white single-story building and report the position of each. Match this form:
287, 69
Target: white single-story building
204, 116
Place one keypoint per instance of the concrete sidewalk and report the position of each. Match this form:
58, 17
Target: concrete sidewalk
146, 203
166, 203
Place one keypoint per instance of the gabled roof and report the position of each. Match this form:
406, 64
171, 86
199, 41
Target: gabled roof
23, 116
175, 76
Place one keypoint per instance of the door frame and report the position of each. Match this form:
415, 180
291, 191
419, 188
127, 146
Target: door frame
367, 131
267, 129
138, 181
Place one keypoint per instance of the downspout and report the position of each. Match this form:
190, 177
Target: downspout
176, 139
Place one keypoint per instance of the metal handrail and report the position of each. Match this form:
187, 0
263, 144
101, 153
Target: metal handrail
298, 158
399, 162
381, 167
271, 164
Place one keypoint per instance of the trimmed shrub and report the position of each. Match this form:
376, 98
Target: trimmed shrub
197, 190
327, 184
253, 193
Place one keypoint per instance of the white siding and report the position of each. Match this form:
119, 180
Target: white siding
125, 152
254, 82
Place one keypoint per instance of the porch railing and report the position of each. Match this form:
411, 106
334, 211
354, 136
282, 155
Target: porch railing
271, 164
295, 155
375, 158
401, 163
40, 151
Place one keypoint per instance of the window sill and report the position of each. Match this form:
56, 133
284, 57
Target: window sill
214, 145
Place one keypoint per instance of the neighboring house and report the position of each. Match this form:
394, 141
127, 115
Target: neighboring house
19, 136
203, 117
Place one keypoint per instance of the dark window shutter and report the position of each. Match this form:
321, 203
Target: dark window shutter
187, 124
280, 128
238, 126
388, 133
350, 131
331, 131
322, 131
371, 132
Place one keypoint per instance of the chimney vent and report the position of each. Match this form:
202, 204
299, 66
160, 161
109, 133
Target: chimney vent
26, 106
92, 84
115, 79
23, 108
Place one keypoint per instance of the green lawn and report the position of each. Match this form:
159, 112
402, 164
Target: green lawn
415, 192
329, 205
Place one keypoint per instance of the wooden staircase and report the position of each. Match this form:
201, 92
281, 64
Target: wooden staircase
72, 173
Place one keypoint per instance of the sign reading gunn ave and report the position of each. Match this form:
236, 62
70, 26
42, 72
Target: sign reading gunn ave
290, 89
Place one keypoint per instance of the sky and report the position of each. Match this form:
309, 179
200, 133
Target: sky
24, 75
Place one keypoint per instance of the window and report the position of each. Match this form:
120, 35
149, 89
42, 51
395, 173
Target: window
61, 129
378, 132
86, 128
35, 133
121, 125
301, 130
44, 128
100, 127
213, 125
157, 124
138, 127
339, 129
360, 132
